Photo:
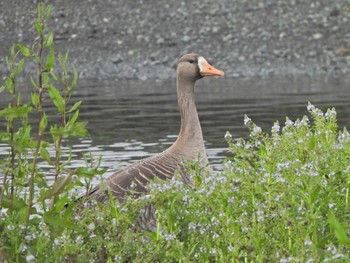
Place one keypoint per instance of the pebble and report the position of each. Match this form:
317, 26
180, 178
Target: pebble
317, 36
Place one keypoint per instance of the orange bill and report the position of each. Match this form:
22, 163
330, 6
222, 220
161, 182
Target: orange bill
208, 70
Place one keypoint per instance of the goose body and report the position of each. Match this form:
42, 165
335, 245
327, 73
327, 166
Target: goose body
188, 146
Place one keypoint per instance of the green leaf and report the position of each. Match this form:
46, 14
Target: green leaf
54, 220
35, 99
75, 78
38, 27
49, 39
43, 122
57, 98
74, 118
53, 75
75, 106
15, 203
9, 85
11, 113
339, 231
24, 50
48, 12
2, 88
50, 61
77, 130
45, 155
20, 66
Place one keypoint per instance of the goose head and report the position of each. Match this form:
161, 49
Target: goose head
192, 67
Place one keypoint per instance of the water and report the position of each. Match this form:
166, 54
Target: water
130, 120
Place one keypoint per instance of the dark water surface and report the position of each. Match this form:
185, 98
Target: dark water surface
129, 120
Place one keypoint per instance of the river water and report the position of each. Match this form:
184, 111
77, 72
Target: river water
133, 119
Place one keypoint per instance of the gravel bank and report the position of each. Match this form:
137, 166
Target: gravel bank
143, 39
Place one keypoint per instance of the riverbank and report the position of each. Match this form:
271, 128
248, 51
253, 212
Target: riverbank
142, 39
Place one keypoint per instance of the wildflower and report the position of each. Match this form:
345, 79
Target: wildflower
338, 256
304, 121
79, 240
227, 135
275, 128
332, 249
57, 242
3, 212
307, 243
247, 120
245, 229
169, 237
215, 235
230, 248
285, 260
288, 123
212, 251
30, 258
91, 227
331, 205
310, 107
331, 113
23, 248
256, 131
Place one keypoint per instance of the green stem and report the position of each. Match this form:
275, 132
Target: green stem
40, 132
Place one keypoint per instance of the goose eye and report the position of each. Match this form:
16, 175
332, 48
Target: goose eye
191, 61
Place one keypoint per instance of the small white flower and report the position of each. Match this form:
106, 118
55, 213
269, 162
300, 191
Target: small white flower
331, 205
330, 113
230, 248
256, 130
338, 256
288, 123
307, 243
91, 227
227, 135
275, 128
30, 258
310, 107
247, 120
79, 240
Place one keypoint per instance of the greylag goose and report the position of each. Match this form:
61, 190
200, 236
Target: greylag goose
188, 146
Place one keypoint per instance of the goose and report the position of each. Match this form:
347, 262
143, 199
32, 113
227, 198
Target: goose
188, 146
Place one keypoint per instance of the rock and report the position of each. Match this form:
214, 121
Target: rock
186, 39
317, 36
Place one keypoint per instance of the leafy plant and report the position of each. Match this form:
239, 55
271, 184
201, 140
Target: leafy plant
28, 197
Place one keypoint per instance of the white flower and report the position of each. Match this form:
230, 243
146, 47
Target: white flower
227, 135
288, 123
91, 227
331, 205
30, 258
256, 130
247, 120
307, 243
310, 107
275, 128
330, 113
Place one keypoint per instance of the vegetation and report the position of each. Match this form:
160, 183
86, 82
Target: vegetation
282, 196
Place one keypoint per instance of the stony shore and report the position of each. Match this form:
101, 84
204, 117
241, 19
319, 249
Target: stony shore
143, 39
